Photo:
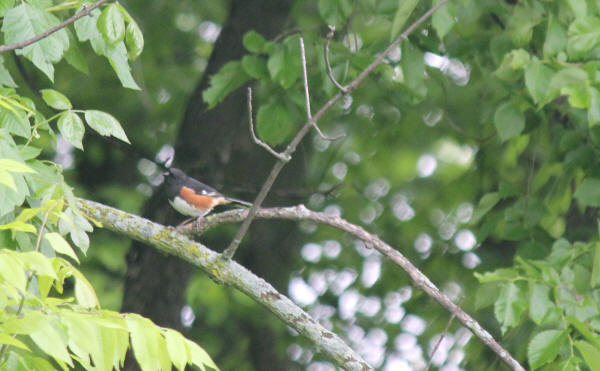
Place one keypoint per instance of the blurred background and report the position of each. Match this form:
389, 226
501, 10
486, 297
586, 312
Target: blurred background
419, 151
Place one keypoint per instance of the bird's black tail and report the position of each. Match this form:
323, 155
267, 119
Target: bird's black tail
243, 203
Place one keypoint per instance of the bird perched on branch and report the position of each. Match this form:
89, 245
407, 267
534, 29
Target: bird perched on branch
193, 198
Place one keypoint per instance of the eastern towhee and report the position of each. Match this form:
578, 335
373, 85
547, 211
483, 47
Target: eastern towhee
193, 198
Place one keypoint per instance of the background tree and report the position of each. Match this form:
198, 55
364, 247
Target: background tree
470, 149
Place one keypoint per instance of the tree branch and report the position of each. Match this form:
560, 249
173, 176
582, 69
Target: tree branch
228, 272
21, 44
417, 277
291, 148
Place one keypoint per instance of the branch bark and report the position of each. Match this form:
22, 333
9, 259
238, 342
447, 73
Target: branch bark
228, 272
21, 44
417, 277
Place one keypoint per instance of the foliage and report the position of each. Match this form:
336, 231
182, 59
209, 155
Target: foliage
514, 82
51, 316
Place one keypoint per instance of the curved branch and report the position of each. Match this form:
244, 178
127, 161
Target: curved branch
417, 277
21, 44
228, 272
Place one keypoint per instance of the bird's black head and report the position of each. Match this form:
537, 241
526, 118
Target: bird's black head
174, 179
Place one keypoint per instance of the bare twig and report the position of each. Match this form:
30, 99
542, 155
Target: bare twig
291, 148
327, 63
21, 44
437, 344
280, 156
307, 96
418, 279
226, 272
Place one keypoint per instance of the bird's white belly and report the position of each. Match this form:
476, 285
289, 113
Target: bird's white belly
184, 208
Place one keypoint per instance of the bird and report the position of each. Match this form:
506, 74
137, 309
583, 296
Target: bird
193, 198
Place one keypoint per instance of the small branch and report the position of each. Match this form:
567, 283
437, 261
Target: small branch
280, 156
418, 279
437, 344
226, 272
307, 96
21, 44
327, 63
291, 148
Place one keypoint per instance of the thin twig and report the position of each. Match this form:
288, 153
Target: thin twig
291, 148
280, 156
327, 63
21, 44
419, 280
307, 96
437, 344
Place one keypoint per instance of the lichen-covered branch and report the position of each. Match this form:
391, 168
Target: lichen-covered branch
228, 272
418, 278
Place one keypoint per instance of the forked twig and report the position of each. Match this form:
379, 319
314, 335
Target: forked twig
307, 96
280, 156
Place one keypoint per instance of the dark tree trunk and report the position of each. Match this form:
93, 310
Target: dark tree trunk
214, 146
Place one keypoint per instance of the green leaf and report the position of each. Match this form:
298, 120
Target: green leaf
579, 7
520, 25
508, 120
230, 77
537, 80
539, 303
105, 124
509, 306
255, 67
588, 192
11, 271
543, 347
584, 36
60, 245
71, 127
56, 99
9, 340
15, 166
53, 342
134, 39
15, 121
176, 346
556, 37
84, 292
253, 42
595, 276
443, 20
7, 180
335, 12
405, 9
486, 203
273, 123
413, 68
146, 342
585, 330
590, 354
117, 58
284, 64
25, 21
5, 77
580, 96
5, 6
111, 24
199, 355
74, 56
594, 110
